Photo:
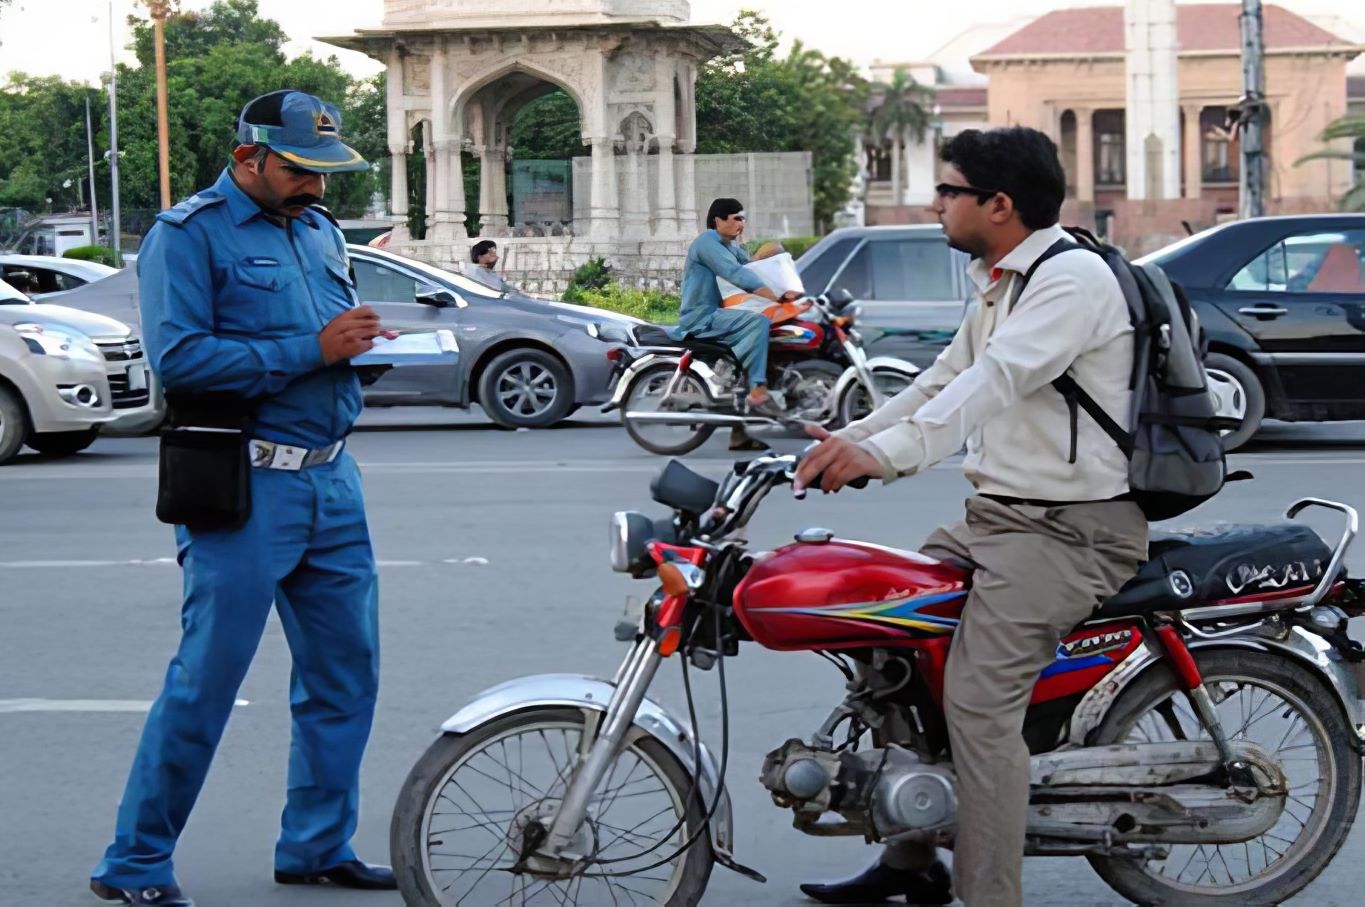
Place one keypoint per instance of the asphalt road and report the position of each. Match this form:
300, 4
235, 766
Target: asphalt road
493, 565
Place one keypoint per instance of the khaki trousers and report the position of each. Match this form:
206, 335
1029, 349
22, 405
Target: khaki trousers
1039, 571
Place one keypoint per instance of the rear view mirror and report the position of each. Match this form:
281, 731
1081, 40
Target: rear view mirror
436, 297
839, 297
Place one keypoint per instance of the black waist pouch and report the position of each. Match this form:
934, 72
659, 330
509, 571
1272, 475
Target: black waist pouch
205, 475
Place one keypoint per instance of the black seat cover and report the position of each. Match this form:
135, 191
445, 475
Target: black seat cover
1197, 567
653, 335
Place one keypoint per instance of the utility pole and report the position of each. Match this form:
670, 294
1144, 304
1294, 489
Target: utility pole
1250, 112
160, 9
90, 163
115, 228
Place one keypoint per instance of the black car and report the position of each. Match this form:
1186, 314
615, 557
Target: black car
1282, 303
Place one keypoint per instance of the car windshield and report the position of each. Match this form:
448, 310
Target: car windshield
1166, 253
10, 296
439, 275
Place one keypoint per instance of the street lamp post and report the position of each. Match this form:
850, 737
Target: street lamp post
160, 9
115, 228
90, 164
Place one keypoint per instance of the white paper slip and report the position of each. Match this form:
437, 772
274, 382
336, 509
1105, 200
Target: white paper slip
417, 348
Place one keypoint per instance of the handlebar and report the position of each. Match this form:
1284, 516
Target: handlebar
749, 483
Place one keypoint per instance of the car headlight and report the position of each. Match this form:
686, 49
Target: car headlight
59, 341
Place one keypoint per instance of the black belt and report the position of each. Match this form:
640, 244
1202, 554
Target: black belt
1036, 502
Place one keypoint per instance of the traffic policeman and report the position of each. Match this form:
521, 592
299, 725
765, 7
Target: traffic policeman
246, 295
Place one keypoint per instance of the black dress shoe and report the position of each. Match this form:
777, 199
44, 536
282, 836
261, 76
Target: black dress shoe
354, 874
155, 896
878, 883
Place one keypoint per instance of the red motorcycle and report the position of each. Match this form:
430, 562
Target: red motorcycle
1198, 740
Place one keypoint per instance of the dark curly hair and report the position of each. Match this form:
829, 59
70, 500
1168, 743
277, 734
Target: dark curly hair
1016, 161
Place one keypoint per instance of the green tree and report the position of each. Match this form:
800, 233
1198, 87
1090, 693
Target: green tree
900, 116
42, 141
760, 100
1349, 128
547, 129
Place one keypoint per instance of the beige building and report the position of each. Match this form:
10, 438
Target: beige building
1064, 73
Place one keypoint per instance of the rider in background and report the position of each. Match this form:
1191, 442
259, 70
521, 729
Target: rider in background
717, 253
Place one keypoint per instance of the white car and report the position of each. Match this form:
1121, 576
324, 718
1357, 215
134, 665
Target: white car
42, 277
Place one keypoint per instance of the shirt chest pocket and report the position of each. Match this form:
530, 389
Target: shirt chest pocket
262, 295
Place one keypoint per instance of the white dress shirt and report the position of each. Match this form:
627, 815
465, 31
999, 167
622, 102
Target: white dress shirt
991, 388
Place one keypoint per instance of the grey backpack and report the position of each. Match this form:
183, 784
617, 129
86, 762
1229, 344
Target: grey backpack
1175, 453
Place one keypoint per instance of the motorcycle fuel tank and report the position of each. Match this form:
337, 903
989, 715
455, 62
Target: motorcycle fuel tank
834, 594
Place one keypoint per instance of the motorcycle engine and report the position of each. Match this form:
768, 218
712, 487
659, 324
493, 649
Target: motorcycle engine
880, 792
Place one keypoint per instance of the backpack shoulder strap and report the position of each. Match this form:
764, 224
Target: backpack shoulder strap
1076, 395
1052, 251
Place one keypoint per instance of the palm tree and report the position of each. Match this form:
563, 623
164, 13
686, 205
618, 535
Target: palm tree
1351, 127
900, 114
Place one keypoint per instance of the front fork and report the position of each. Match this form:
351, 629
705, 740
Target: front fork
857, 356
632, 683
1193, 682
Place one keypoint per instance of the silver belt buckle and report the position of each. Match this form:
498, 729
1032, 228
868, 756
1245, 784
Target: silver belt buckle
286, 457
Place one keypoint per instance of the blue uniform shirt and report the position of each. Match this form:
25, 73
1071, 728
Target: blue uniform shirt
710, 257
233, 302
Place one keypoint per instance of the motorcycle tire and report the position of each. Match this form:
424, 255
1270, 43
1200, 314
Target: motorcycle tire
688, 441
854, 403
410, 833
1330, 817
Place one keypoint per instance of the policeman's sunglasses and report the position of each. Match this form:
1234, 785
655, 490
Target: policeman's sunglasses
290, 168
952, 190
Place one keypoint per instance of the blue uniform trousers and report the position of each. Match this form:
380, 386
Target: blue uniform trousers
746, 333
306, 549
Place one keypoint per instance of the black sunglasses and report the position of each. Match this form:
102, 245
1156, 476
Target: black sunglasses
950, 191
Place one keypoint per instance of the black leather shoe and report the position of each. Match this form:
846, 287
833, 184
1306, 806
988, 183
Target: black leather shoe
156, 896
354, 874
878, 883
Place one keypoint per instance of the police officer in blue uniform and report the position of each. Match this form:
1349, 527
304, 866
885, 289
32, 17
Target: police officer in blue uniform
246, 292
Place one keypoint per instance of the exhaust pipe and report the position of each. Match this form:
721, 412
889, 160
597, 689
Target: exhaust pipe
701, 419
82, 395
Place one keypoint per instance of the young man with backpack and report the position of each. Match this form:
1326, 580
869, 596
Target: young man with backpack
1037, 384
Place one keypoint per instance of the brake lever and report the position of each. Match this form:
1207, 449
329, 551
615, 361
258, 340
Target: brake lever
859, 483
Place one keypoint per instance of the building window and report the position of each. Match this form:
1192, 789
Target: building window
1359, 162
1111, 148
1219, 151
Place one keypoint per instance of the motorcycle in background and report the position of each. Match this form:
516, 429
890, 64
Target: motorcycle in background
1198, 740
673, 394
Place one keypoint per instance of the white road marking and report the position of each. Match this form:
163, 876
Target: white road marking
170, 562
8, 706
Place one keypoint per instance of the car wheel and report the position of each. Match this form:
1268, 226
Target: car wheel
13, 425
526, 388
1239, 395
64, 443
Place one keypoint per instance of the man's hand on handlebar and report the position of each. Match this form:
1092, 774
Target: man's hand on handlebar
834, 463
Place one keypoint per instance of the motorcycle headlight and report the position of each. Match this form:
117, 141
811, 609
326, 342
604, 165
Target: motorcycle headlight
59, 341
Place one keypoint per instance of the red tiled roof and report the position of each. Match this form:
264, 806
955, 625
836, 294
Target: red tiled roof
961, 96
1199, 27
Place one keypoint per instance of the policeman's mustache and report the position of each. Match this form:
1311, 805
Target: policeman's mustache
301, 201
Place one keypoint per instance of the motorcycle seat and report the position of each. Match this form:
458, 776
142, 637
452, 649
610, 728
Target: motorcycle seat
653, 335
1230, 562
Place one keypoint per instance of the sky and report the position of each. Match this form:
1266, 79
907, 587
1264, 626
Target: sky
70, 38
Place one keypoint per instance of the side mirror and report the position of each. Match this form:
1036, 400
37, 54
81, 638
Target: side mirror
436, 297
839, 297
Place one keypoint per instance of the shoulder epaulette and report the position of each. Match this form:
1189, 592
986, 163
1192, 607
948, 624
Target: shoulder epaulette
190, 207
327, 214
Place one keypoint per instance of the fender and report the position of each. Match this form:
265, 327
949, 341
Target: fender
671, 357
1301, 645
653, 720
883, 363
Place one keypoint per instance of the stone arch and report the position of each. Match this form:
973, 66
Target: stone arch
493, 74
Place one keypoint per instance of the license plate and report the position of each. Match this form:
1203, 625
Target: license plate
137, 377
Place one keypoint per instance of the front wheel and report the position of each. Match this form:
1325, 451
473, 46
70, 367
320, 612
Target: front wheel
465, 811
526, 388
856, 402
646, 394
1284, 708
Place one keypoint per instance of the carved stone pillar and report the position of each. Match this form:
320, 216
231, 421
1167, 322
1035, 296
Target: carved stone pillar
606, 208
447, 222
666, 217
398, 189
492, 192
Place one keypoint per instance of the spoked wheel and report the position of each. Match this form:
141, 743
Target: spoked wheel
856, 402
473, 801
646, 395
1285, 709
